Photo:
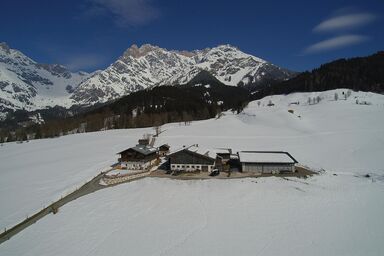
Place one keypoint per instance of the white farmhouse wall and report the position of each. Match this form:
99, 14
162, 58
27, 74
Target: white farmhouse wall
138, 165
190, 167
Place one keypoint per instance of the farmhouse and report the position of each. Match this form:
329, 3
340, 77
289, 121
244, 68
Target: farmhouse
272, 162
139, 157
187, 160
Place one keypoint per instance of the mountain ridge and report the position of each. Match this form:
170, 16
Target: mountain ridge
27, 84
38, 85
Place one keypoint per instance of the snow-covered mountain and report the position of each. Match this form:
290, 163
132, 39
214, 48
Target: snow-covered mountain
148, 66
26, 84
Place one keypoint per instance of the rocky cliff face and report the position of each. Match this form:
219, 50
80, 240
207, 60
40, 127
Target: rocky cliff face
26, 84
149, 66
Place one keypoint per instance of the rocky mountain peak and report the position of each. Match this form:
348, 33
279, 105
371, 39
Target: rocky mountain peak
27, 84
5, 47
137, 52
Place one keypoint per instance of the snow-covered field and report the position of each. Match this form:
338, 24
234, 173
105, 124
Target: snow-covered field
331, 215
34, 174
324, 215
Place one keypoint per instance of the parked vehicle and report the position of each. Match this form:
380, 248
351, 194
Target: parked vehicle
214, 172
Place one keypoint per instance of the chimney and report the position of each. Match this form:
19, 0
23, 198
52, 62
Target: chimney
144, 142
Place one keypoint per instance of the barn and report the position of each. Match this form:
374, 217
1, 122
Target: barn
271, 162
187, 160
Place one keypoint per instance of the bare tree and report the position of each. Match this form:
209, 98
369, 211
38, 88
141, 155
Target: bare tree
336, 96
157, 129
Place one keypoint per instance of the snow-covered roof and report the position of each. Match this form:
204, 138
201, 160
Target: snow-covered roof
266, 157
196, 149
142, 149
222, 151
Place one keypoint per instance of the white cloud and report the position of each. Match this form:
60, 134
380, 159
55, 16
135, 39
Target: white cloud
124, 12
345, 22
336, 43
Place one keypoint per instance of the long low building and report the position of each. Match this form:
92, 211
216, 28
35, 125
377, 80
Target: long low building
266, 162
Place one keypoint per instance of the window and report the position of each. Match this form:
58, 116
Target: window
192, 166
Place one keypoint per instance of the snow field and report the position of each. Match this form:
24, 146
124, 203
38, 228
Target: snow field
323, 215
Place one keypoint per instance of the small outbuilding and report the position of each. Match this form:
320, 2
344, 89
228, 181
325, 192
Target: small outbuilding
223, 157
271, 162
164, 149
187, 160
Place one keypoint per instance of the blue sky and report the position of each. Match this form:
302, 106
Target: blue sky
91, 34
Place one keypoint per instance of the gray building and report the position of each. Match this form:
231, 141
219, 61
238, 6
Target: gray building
271, 162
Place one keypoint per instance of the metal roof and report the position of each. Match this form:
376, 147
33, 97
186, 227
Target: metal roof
187, 156
266, 157
142, 149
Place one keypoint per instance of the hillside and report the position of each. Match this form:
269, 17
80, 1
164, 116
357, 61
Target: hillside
341, 137
206, 98
361, 73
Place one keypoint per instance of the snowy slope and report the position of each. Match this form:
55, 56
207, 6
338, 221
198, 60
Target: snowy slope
27, 84
334, 135
51, 168
148, 66
325, 215
165, 217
